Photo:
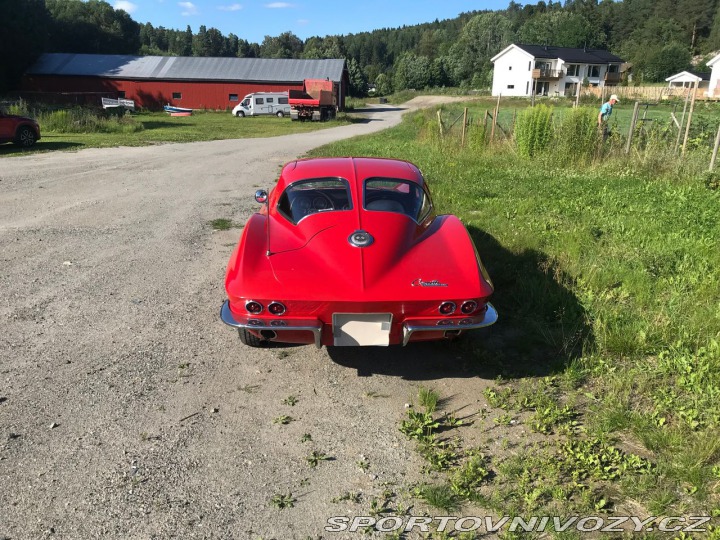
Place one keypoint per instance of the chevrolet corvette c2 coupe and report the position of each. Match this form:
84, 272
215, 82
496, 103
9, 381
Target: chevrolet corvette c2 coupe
349, 251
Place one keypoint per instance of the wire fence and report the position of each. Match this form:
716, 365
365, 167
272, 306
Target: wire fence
681, 124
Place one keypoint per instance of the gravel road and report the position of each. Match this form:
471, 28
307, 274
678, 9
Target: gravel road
127, 409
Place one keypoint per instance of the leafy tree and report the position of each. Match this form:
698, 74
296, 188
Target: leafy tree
329, 47
358, 81
22, 38
286, 45
383, 84
482, 38
669, 60
91, 27
561, 29
412, 72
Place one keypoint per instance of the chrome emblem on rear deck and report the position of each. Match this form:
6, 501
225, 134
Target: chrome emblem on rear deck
419, 282
360, 239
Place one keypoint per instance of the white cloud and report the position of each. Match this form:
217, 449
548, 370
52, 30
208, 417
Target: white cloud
126, 6
278, 5
303, 22
231, 7
188, 8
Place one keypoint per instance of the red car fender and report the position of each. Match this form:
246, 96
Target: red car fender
244, 273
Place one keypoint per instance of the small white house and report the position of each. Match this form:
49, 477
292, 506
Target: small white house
687, 79
714, 64
524, 70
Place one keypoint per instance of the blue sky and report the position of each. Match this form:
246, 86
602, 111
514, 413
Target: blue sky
254, 19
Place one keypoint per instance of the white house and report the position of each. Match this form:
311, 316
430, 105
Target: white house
687, 79
521, 70
714, 64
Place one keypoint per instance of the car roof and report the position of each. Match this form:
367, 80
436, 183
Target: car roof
353, 169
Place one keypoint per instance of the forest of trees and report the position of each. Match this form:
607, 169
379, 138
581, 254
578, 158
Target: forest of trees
659, 37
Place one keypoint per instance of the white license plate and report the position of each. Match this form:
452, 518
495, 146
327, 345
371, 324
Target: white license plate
350, 329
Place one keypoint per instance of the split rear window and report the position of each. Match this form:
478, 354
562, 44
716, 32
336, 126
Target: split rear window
307, 197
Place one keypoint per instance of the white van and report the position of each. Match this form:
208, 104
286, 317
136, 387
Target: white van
263, 103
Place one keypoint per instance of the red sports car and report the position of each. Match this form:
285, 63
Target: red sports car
349, 251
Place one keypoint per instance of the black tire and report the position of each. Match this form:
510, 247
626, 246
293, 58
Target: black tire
279, 114
240, 114
25, 137
251, 340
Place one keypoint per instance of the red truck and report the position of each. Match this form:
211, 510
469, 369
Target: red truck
317, 101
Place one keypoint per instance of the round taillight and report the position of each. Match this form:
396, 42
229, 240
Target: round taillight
469, 307
447, 308
276, 308
253, 307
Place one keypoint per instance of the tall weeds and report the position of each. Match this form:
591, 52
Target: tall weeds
576, 138
533, 130
79, 120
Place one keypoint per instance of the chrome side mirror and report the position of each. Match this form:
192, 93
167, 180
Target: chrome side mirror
261, 196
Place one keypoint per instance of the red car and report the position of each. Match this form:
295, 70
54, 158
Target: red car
349, 251
18, 129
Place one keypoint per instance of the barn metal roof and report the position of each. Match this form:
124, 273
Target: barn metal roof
187, 68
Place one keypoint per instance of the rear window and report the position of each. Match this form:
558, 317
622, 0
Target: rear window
313, 196
283, 101
398, 196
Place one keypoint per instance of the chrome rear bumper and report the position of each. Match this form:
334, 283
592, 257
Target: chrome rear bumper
295, 325
315, 326
431, 325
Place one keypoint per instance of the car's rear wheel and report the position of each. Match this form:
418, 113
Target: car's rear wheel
25, 137
280, 114
251, 340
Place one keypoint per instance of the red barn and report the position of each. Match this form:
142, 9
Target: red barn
190, 82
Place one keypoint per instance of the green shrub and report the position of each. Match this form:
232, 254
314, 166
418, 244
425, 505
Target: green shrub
577, 136
533, 130
79, 120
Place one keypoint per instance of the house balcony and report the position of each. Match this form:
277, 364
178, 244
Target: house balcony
613, 78
547, 74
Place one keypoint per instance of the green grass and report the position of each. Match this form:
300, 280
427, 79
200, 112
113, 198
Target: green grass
607, 276
156, 128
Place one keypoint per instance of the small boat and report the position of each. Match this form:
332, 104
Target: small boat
170, 109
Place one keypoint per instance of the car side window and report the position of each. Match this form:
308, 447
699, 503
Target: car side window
313, 196
395, 195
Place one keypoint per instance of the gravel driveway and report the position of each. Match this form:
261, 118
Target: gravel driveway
127, 409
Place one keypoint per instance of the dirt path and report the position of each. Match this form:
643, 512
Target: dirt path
127, 409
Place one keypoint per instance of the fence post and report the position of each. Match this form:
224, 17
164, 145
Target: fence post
632, 126
462, 140
715, 150
495, 119
682, 123
440, 123
690, 114
532, 98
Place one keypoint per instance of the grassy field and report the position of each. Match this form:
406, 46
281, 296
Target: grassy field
607, 273
157, 128
606, 355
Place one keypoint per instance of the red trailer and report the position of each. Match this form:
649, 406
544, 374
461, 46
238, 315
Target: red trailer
317, 101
